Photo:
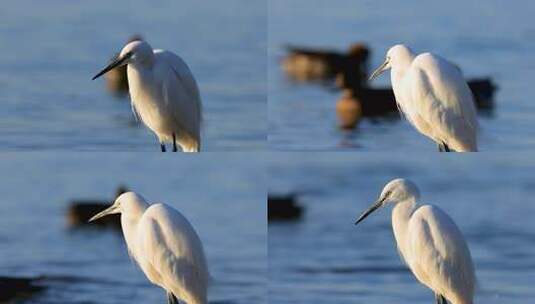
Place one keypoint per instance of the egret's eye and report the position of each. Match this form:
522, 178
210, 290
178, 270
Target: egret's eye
387, 194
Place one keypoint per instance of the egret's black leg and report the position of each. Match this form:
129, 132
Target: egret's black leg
171, 299
174, 143
442, 147
162, 145
440, 299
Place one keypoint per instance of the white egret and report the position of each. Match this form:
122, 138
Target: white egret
164, 94
429, 243
434, 97
164, 245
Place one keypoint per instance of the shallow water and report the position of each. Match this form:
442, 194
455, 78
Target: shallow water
325, 258
51, 51
92, 265
495, 39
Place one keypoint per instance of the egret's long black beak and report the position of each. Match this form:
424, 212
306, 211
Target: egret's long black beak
110, 210
115, 63
379, 70
374, 207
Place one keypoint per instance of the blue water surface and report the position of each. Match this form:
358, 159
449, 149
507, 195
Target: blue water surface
492, 39
51, 50
223, 196
325, 258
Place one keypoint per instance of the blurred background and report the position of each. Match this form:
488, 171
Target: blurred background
50, 50
492, 43
318, 255
88, 264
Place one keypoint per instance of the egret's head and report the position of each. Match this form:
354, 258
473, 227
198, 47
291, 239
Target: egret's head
135, 51
397, 53
397, 190
128, 203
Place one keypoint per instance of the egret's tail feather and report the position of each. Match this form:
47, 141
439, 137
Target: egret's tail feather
189, 144
458, 147
190, 148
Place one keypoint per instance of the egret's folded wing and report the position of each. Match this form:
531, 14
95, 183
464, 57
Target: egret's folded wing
439, 256
446, 83
181, 93
169, 249
182, 72
442, 113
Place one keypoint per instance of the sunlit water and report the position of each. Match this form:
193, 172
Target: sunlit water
325, 258
496, 39
223, 196
51, 49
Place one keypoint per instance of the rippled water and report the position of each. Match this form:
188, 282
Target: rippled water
51, 49
493, 39
92, 265
325, 258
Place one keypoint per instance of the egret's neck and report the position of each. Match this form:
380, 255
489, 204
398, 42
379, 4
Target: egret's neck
400, 67
401, 215
129, 222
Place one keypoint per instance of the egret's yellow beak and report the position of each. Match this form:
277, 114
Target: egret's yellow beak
111, 210
379, 70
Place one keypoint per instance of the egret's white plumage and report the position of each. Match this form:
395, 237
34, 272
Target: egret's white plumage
164, 245
434, 97
429, 243
164, 94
